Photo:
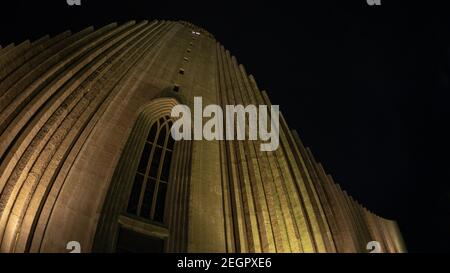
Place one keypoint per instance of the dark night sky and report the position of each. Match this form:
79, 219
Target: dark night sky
366, 87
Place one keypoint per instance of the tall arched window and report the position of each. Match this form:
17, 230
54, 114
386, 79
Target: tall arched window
145, 210
148, 194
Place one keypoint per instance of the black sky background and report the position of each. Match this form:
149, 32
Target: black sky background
366, 87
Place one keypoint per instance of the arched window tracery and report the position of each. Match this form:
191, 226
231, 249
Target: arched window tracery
148, 194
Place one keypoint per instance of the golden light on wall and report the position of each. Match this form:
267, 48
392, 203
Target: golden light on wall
76, 111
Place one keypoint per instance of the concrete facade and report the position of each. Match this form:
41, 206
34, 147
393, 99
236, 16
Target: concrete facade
75, 112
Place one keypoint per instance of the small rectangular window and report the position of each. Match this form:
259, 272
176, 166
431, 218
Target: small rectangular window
176, 88
181, 71
186, 59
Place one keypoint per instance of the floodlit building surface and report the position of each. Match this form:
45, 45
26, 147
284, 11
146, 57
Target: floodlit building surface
86, 154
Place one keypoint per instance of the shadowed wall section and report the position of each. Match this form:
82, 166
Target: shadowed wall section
74, 112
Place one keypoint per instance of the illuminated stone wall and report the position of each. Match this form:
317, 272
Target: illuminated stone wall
69, 106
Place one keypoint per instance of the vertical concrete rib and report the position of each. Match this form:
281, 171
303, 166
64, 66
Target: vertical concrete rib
237, 212
285, 235
37, 171
243, 184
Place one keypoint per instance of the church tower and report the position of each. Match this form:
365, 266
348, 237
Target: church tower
86, 154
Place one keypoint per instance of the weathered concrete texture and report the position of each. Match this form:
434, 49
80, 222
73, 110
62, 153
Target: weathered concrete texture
74, 113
